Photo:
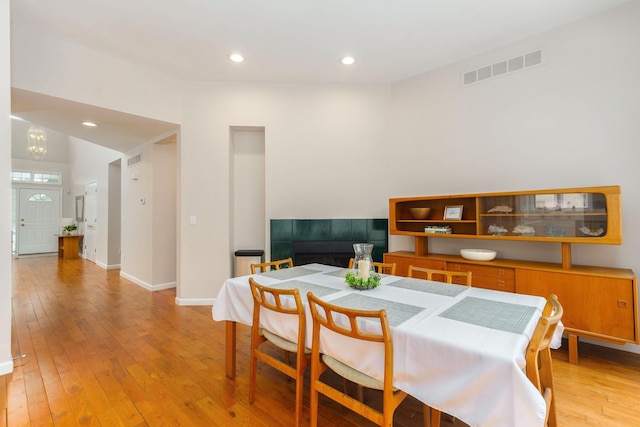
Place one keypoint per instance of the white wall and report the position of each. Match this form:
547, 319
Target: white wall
164, 215
572, 122
325, 151
569, 123
137, 219
6, 362
149, 211
76, 73
115, 214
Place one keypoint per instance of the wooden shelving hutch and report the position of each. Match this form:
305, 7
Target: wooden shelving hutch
599, 302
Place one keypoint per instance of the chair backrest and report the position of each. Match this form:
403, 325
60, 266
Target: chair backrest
538, 356
272, 299
437, 275
381, 267
350, 328
272, 265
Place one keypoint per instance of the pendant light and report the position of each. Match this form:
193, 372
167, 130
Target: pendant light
37, 142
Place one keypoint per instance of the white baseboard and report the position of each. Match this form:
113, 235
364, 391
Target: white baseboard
146, 285
163, 286
108, 266
195, 301
6, 367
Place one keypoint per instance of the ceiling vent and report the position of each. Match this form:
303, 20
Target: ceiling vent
506, 66
132, 161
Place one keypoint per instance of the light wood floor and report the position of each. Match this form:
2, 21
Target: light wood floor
102, 351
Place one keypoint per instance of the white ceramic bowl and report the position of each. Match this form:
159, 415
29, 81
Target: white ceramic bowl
478, 254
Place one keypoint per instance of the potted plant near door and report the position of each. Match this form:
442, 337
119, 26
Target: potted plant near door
70, 229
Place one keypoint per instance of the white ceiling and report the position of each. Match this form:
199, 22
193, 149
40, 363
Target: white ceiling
297, 40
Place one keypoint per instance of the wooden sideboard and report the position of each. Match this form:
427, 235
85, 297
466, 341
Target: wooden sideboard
599, 303
69, 245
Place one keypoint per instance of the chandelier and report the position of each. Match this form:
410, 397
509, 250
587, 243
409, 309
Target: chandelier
37, 142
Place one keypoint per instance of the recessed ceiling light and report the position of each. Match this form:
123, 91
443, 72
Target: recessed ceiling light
89, 124
348, 60
236, 57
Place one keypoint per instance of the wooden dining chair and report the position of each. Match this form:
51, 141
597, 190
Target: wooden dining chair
272, 265
272, 299
538, 356
324, 317
381, 267
438, 275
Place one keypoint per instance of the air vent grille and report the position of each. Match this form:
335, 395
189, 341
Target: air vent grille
506, 66
132, 161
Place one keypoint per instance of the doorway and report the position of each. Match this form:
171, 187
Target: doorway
39, 212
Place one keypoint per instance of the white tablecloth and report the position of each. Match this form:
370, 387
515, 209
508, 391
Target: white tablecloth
448, 361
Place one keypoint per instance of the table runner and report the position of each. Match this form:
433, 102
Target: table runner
305, 287
497, 315
397, 312
446, 289
338, 273
288, 273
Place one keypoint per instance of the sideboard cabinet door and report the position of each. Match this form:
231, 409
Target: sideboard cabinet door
594, 306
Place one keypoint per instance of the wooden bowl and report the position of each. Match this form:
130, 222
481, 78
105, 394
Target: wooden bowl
420, 213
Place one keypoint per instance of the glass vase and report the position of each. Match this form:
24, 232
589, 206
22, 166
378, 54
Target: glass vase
363, 263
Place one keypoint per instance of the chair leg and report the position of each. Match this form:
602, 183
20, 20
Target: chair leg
256, 340
431, 416
253, 367
435, 418
313, 404
300, 390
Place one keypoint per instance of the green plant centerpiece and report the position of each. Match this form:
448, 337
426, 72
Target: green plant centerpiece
70, 228
353, 280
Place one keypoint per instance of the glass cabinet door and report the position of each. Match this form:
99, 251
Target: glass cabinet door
552, 215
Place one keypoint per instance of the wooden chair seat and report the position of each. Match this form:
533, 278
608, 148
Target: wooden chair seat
351, 374
282, 343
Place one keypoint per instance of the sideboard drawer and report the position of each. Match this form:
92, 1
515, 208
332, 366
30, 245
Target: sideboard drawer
482, 270
494, 283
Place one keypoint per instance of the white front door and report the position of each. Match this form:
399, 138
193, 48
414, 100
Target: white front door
90, 220
38, 221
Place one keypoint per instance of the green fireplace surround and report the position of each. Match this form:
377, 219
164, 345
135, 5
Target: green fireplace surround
327, 240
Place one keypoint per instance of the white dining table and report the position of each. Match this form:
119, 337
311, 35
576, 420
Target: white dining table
458, 349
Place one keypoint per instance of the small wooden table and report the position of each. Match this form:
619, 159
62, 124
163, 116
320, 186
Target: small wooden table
69, 245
